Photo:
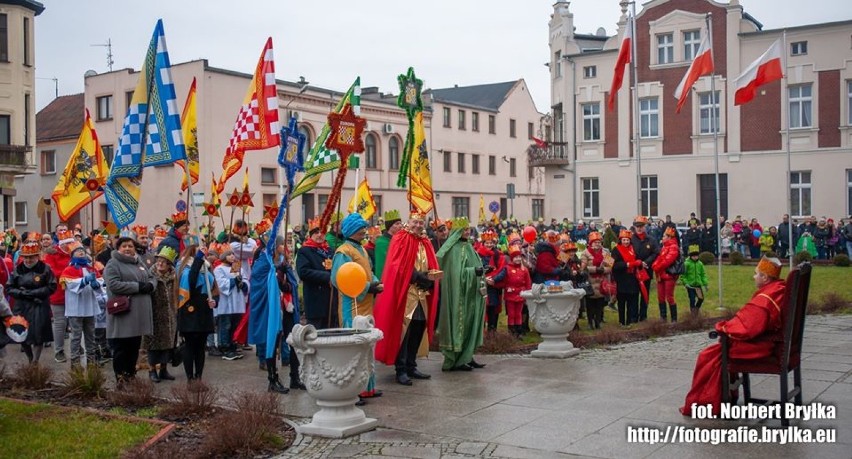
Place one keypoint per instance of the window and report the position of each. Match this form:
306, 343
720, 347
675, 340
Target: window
492, 124
557, 64
4, 38
267, 176
269, 199
665, 48
460, 168
108, 154
128, 96
474, 121
798, 48
800, 193
104, 108
848, 191
530, 131
649, 195
706, 106
800, 107
322, 201
5, 129
513, 167
649, 117
370, 151
691, 43
474, 164
590, 71
446, 116
537, 208
393, 152
308, 140
448, 167
48, 162
377, 199
591, 197
849, 103
461, 207
27, 119
461, 120
591, 121
492, 165
21, 213
27, 60
512, 129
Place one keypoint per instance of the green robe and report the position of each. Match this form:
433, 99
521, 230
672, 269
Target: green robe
462, 316
381, 253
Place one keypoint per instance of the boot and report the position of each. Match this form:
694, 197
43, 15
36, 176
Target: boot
673, 312
154, 376
663, 311
274, 383
164, 373
296, 384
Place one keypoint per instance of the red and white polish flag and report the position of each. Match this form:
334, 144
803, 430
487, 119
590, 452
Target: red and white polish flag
766, 69
621, 62
701, 65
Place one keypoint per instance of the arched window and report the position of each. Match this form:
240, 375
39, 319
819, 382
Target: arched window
393, 153
370, 153
304, 129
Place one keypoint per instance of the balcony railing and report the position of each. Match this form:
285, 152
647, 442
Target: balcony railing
552, 154
15, 155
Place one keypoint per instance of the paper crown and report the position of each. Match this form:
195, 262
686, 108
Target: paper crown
568, 246
514, 250
771, 267
17, 328
416, 215
514, 237
640, 220
30, 248
140, 230
262, 227
167, 253
178, 217
594, 236
457, 223
374, 231
488, 235
437, 223
564, 237
625, 234
65, 237
314, 223
552, 236
670, 232
391, 215
694, 249
33, 236
160, 233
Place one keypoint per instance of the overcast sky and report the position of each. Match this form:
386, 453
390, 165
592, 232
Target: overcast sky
448, 42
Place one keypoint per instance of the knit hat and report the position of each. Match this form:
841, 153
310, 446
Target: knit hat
771, 267
352, 224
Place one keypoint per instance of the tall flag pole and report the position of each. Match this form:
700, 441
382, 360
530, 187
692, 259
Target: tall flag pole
786, 99
151, 134
83, 179
636, 115
714, 125
256, 127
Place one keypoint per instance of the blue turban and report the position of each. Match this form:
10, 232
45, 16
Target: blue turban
352, 223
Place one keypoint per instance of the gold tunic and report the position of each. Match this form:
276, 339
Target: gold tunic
415, 296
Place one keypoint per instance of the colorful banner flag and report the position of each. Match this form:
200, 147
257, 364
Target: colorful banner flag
85, 173
624, 56
151, 134
363, 201
481, 209
701, 65
189, 125
419, 173
766, 69
320, 159
256, 127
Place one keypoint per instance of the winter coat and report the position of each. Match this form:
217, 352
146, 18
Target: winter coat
123, 275
646, 250
597, 273
317, 291
821, 235
31, 288
767, 242
517, 280
495, 259
692, 236
693, 273
57, 259
163, 309
546, 264
668, 255
624, 275
196, 315
708, 239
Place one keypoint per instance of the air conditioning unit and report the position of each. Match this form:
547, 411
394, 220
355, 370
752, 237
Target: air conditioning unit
295, 114
387, 128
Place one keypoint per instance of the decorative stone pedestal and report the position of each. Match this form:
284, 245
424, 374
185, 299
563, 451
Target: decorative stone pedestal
553, 315
335, 365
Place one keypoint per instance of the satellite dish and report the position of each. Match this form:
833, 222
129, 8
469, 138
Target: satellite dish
601, 32
89, 73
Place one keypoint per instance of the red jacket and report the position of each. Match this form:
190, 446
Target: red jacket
58, 260
517, 280
668, 255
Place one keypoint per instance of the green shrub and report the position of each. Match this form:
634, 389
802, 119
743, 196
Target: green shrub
706, 258
736, 258
841, 260
802, 257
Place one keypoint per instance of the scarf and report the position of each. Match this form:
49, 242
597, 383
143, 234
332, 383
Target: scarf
641, 275
597, 256
184, 289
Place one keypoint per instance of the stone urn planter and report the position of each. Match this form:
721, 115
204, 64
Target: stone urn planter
335, 366
554, 314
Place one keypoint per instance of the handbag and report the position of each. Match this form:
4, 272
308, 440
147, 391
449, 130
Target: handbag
118, 305
676, 268
176, 357
608, 287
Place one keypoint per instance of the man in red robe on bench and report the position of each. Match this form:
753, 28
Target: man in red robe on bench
759, 318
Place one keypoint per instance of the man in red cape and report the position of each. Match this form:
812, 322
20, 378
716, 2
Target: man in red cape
748, 329
407, 306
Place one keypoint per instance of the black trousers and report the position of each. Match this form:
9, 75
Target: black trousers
272, 363
643, 305
125, 354
194, 353
406, 358
287, 324
628, 305
594, 311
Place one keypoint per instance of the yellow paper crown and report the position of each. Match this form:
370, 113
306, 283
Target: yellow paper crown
458, 223
390, 215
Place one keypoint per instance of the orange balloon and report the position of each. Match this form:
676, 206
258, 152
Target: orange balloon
351, 279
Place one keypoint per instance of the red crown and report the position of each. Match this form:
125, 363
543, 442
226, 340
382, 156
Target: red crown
178, 217
488, 235
30, 248
140, 230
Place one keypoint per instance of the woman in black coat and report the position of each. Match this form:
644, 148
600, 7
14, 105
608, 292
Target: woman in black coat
313, 264
195, 309
31, 284
624, 268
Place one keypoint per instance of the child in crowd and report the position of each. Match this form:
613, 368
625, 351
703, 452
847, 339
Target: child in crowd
517, 280
694, 279
767, 242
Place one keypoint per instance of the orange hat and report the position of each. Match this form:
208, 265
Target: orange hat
594, 236
374, 231
514, 250
437, 223
569, 246
33, 236
625, 234
30, 248
771, 267
488, 235
564, 237
160, 232
262, 227
140, 230
670, 232
416, 215
240, 228
552, 236
640, 220
65, 237
178, 218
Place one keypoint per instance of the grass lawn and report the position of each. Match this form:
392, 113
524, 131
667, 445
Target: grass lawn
41, 430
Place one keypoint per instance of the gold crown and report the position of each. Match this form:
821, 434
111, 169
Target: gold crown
458, 223
771, 267
437, 223
168, 253
64, 235
374, 231
33, 236
392, 214
416, 215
